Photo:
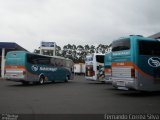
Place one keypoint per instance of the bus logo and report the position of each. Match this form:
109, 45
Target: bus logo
35, 68
154, 61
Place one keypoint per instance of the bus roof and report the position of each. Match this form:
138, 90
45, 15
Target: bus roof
131, 37
18, 52
59, 57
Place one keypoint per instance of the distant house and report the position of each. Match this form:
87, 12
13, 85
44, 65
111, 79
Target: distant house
4, 48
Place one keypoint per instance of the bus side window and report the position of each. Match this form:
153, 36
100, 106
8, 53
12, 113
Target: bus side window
64, 63
52, 61
61, 62
43, 60
55, 62
29, 58
32, 59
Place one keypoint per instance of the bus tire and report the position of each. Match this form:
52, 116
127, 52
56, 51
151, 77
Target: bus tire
41, 80
67, 78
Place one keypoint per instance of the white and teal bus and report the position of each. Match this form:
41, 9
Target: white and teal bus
136, 63
27, 68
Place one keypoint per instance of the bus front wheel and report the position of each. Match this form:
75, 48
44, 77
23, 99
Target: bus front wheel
41, 80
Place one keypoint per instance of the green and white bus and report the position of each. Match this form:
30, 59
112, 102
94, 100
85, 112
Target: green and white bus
25, 67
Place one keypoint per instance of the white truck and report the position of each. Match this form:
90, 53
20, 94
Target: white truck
79, 68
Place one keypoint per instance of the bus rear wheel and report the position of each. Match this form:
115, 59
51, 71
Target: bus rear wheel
41, 80
67, 78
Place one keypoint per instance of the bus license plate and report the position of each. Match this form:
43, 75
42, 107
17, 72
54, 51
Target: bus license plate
121, 83
14, 76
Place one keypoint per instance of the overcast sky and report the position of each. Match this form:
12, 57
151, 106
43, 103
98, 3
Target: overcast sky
28, 22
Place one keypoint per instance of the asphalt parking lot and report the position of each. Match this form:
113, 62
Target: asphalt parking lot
75, 97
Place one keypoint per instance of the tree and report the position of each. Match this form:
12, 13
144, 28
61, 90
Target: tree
74, 47
86, 47
78, 53
92, 49
65, 48
80, 47
58, 50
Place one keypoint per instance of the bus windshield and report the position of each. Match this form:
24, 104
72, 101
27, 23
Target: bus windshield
89, 58
100, 58
121, 45
149, 48
37, 59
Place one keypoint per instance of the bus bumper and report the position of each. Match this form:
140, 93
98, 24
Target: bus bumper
123, 82
108, 79
14, 78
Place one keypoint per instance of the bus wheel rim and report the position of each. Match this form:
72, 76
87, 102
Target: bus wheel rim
41, 81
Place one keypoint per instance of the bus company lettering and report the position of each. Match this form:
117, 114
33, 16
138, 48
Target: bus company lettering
48, 69
14, 67
121, 64
121, 53
126, 63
